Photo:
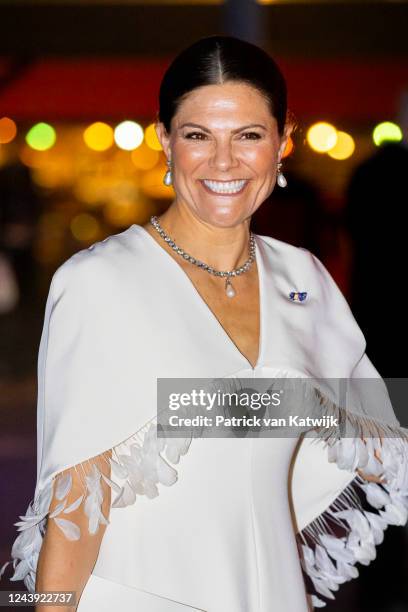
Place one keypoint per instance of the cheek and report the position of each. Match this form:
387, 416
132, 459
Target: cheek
263, 165
261, 159
187, 157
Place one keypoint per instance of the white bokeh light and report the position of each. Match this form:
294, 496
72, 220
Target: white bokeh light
128, 135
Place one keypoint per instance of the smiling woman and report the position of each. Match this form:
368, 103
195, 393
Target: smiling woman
227, 137
223, 534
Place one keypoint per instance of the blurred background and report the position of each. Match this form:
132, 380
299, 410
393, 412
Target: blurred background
79, 160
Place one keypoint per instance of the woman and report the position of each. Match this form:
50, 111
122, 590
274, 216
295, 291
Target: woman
220, 532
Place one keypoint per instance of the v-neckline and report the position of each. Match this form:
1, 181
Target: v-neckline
212, 315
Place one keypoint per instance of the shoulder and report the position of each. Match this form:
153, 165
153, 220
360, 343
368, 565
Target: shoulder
326, 308
302, 269
297, 262
98, 267
286, 251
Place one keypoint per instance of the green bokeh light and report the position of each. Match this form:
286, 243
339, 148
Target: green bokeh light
41, 137
386, 132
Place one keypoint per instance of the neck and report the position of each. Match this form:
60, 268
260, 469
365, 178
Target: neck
223, 248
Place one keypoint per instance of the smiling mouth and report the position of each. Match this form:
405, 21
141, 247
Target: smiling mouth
225, 187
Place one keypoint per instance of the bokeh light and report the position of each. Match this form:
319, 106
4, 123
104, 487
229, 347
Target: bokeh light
344, 147
57, 172
289, 147
128, 135
98, 136
8, 130
387, 131
41, 137
90, 190
144, 158
321, 137
152, 183
151, 138
84, 227
120, 212
31, 158
95, 192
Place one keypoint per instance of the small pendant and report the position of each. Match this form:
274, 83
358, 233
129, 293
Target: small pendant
229, 289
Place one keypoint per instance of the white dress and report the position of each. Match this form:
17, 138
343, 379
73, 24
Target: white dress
239, 517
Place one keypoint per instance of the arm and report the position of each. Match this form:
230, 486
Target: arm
66, 565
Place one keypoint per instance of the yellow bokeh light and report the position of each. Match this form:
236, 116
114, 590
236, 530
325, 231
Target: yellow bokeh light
8, 130
151, 138
128, 135
144, 158
344, 147
386, 132
120, 212
90, 190
84, 227
58, 171
321, 137
98, 136
152, 184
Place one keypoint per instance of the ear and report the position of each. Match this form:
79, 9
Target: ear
164, 138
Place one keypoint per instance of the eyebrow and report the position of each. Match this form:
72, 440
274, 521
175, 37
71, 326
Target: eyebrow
245, 127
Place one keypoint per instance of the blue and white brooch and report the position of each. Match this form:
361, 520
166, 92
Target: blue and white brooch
298, 296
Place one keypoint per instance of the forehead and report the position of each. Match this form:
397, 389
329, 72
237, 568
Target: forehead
236, 101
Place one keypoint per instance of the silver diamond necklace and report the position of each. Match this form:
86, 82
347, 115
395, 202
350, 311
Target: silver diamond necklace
229, 289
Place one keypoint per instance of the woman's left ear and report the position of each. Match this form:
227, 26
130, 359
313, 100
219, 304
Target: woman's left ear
163, 137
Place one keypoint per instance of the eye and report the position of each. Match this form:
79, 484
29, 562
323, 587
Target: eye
194, 135
251, 136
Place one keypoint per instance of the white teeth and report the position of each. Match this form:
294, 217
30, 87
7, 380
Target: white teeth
225, 187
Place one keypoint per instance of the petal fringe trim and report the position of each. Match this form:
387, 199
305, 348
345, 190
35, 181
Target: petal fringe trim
371, 448
353, 424
136, 467
346, 533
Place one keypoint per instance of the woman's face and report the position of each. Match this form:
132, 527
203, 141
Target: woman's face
224, 146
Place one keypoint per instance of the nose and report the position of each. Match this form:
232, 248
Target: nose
223, 157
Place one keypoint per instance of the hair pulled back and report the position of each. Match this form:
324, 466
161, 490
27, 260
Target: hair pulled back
219, 59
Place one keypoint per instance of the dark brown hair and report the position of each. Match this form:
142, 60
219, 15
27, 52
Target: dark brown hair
219, 59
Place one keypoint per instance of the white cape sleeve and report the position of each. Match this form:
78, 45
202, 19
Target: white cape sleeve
88, 425
349, 483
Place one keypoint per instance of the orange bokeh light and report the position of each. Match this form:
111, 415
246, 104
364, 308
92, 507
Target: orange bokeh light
8, 130
289, 147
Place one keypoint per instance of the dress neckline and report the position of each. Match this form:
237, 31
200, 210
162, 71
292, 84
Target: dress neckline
198, 297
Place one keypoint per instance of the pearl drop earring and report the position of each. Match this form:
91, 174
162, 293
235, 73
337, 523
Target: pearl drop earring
281, 180
167, 179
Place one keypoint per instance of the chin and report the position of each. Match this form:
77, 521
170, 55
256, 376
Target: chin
225, 217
